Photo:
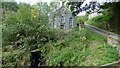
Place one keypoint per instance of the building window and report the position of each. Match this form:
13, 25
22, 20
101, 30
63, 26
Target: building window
57, 26
65, 27
53, 24
70, 22
63, 19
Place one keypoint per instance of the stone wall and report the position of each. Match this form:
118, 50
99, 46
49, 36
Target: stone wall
115, 41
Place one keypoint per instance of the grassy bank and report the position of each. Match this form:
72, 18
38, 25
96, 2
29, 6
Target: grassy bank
81, 48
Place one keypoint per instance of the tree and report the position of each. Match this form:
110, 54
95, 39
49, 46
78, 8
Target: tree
112, 9
76, 8
81, 19
25, 30
12, 6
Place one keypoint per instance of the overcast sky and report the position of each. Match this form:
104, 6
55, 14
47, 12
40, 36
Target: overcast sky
33, 1
48, 1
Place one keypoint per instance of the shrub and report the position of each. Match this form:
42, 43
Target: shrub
81, 18
24, 32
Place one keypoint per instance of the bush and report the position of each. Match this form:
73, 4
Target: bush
25, 31
81, 18
100, 21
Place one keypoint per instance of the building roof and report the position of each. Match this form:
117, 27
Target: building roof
59, 9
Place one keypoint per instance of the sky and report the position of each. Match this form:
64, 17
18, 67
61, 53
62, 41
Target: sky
32, 1
48, 1
35, 1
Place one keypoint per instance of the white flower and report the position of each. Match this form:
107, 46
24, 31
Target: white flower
84, 38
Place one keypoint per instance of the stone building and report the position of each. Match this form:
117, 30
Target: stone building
62, 18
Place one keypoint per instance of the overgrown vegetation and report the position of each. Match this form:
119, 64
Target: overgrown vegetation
83, 18
26, 29
110, 18
100, 21
83, 48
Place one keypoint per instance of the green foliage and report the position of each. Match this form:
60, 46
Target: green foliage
72, 4
23, 25
14, 58
12, 6
80, 48
110, 18
24, 30
100, 21
81, 18
110, 6
105, 52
